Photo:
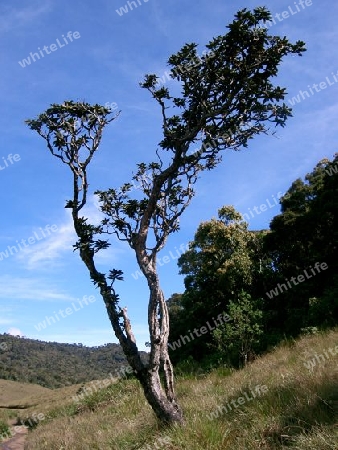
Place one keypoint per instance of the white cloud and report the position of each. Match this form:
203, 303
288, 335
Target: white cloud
6, 311
92, 210
49, 252
15, 332
50, 249
30, 289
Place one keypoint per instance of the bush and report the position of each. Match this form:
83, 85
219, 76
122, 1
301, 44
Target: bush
242, 334
4, 430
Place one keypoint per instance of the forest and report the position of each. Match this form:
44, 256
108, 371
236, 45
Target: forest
274, 284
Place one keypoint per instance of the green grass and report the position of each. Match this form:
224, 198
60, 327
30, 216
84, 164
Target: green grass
299, 410
4, 428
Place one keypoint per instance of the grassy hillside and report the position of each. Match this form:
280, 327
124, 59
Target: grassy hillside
55, 365
285, 400
31, 404
14, 394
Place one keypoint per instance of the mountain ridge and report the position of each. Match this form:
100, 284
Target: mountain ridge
54, 365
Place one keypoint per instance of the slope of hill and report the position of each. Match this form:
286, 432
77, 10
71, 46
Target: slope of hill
285, 400
14, 394
53, 365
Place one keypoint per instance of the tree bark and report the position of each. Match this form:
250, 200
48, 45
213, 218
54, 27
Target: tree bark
162, 401
158, 319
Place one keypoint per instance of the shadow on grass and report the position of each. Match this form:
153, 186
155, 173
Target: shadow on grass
312, 410
297, 410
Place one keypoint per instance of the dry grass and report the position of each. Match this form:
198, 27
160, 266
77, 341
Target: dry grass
16, 396
13, 393
298, 411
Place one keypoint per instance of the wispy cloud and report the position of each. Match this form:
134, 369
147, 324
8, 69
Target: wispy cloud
11, 17
48, 252
13, 288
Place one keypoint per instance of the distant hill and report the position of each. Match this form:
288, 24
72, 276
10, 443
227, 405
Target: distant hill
54, 365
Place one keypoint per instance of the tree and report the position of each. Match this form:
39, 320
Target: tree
305, 232
220, 252
227, 98
223, 260
242, 333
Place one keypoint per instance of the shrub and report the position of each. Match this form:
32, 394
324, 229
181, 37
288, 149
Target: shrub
4, 430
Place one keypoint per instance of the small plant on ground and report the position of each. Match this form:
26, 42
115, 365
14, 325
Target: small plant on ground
4, 431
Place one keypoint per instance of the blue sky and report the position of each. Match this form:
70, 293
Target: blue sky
104, 64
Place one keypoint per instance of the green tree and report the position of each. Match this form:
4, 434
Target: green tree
227, 98
305, 232
224, 259
240, 335
220, 250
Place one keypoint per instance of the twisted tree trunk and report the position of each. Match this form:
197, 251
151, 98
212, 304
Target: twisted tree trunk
158, 319
161, 399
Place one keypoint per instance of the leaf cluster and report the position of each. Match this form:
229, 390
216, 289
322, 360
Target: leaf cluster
227, 97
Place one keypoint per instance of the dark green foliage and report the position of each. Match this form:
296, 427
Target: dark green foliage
240, 336
227, 93
222, 261
304, 233
324, 309
4, 430
227, 98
